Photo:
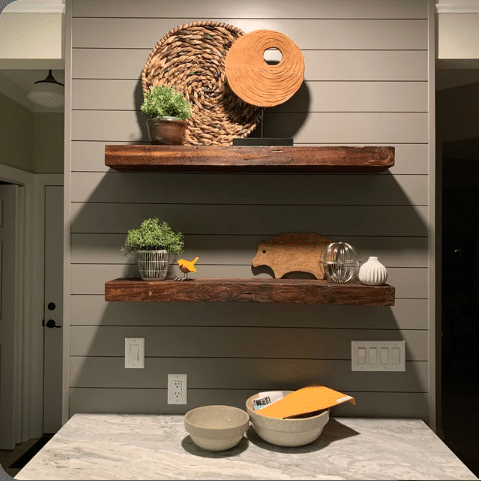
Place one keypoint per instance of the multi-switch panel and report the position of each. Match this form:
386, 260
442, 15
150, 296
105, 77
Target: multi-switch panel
378, 356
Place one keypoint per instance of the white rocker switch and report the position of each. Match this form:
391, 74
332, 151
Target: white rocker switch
361, 355
373, 355
396, 356
384, 355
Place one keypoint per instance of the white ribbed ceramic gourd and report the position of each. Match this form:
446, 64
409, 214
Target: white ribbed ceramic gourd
372, 273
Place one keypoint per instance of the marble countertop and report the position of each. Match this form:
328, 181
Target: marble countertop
126, 446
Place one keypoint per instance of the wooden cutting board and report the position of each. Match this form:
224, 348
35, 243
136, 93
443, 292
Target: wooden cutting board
293, 252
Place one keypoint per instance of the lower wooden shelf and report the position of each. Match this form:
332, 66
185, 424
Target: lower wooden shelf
300, 291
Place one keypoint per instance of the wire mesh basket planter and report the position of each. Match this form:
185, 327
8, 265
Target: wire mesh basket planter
153, 265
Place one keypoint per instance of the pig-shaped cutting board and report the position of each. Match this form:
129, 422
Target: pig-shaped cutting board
293, 252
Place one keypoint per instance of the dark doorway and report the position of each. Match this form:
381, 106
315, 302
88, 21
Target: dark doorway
460, 299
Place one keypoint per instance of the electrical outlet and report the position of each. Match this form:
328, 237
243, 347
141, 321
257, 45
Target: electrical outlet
378, 355
177, 389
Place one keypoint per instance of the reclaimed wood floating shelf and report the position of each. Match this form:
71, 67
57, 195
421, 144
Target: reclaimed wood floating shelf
206, 158
300, 291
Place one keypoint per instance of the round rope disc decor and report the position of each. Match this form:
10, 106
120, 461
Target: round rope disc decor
253, 79
191, 59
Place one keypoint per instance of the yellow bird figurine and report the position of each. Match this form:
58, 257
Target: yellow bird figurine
187, 266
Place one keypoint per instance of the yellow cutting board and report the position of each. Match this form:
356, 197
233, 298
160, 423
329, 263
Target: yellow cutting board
306, 400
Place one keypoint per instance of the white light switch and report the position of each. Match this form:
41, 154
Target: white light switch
373, 356
384, 355
134, 352
361, 355
395, 355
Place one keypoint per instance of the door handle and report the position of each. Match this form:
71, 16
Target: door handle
51, 324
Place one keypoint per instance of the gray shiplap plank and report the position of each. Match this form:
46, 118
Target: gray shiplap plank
90, 278
261, 374
253, 9
312, 96
238, 342
88, 310
384, 128
90, 157
306, 33
105, 249
154, 401
259, 220
344, 65
327, 127
317, 189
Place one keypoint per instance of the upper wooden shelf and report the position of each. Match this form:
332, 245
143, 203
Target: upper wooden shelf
205, 158
300, 291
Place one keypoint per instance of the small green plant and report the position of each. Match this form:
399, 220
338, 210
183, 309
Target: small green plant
165, 101
153, 235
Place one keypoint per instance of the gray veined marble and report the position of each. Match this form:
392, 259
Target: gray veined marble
125, 446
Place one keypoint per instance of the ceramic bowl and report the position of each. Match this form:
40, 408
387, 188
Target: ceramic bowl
286, 432
216, 428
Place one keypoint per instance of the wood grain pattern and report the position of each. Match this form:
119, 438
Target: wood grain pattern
411, 283
302, 291
88, 156
293, 252
338, 159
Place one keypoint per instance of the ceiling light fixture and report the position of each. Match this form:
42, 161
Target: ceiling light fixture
48, 92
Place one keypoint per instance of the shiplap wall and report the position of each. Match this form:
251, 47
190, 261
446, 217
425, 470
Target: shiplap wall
366, 83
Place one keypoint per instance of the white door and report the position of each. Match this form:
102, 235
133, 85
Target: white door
9, 328
53, 319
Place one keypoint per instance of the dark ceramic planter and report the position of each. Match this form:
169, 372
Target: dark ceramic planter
166, 130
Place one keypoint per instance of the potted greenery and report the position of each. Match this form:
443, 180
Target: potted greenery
153, 242
167, 110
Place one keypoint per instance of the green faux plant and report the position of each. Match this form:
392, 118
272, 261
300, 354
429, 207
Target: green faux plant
153, 235
165, 101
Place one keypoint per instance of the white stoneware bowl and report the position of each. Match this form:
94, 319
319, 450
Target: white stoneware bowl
286, 432
216, 428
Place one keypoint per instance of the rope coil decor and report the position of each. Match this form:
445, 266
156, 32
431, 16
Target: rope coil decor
256, 81
191, 59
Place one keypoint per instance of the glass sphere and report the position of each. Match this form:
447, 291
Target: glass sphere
341, 262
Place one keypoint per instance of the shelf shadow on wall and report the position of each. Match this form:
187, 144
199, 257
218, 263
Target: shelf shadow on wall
279, 121
192, 203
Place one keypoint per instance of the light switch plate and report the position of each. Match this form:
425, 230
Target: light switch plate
134, 352
378, 355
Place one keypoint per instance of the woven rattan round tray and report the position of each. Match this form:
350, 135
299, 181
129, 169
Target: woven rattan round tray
191, 59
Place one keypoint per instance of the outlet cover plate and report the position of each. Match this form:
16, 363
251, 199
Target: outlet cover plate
177, 389
387, 355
